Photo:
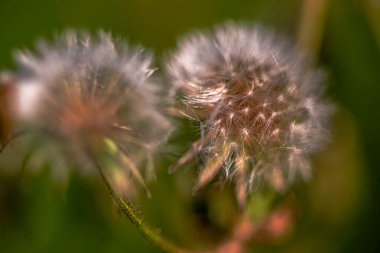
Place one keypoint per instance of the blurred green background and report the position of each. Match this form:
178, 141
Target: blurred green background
336, 212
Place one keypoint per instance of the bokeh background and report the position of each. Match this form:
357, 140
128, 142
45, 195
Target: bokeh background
338, 211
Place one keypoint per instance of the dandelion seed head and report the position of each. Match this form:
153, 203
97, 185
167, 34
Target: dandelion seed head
251, 87
85, 88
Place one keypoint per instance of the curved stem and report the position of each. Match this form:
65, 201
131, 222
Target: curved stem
149, 232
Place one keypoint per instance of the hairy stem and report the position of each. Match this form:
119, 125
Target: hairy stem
149, 232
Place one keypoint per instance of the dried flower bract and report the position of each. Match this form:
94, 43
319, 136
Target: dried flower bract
257, 100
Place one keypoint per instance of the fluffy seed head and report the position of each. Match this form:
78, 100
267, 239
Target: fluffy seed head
258, 102
88, 89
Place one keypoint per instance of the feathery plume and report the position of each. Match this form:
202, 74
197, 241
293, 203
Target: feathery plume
91, 90
257, 100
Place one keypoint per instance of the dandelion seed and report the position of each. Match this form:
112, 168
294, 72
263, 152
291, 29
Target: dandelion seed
90, 90
270, 108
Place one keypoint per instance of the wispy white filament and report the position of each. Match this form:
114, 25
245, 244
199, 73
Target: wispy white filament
251, 90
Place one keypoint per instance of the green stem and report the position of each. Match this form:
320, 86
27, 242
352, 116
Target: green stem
148, 231
311, 25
